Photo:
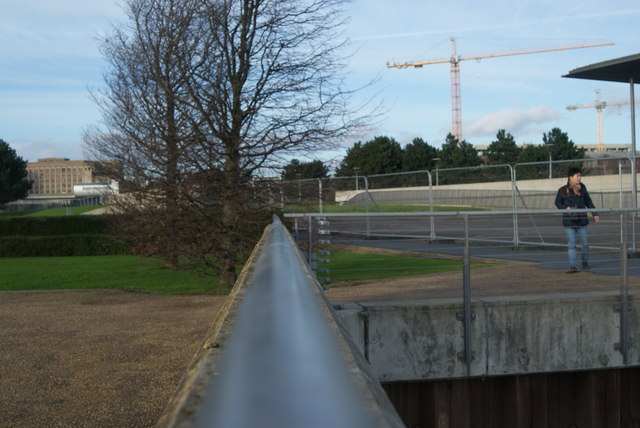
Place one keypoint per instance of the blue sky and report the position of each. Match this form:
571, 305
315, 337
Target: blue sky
49, 59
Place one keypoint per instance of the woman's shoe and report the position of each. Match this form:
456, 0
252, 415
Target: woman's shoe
572, 269
585, 265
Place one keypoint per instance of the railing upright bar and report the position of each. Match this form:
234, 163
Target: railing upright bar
467, 314
366, 204
310, 241
514, 205
623, 306
432, 222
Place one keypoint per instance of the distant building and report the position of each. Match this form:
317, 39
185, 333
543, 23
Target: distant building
96, 189
58, 176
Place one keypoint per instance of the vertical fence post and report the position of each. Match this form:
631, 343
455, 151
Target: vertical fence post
623, 306
514, 206
320, 193
432, 220
309, 243
281, 194
366, 205
466, 316
634, 200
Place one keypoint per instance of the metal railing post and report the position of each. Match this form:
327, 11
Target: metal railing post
623, 307
320, 194
466, 316
366, 205
432, 222
309, 243
514, 206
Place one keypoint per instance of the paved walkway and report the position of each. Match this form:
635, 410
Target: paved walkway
512, 273
602, 262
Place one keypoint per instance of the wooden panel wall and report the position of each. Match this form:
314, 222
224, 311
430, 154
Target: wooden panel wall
595, 399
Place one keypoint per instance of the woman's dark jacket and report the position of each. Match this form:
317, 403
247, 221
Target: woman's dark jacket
566, 197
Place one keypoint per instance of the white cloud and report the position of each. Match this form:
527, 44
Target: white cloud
32, 150
513, 120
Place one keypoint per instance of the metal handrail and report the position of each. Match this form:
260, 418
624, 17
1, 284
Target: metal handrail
282, 365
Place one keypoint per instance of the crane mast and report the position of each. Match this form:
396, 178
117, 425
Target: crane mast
456, 101
454, 60
599, 105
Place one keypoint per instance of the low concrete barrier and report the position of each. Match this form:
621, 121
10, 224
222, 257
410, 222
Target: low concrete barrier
421, 340
610, 191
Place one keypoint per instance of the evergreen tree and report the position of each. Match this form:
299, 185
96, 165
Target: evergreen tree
455, 154
503, 149
296, 170
561, 146
382, 155
418, 155
13, 173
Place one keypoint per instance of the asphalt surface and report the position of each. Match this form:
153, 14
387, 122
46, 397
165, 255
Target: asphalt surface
541, 238
602, 261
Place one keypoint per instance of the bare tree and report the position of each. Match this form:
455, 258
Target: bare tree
270, 83
149, 131
203, 96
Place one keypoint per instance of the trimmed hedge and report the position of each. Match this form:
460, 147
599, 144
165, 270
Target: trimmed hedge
52, 226
66, 245
59, 236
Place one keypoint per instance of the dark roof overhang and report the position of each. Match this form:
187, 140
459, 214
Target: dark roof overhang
625, 69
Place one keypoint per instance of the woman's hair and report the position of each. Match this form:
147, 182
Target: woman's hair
573, 171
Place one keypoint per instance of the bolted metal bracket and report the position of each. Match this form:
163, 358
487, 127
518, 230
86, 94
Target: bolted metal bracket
461, 356
618, 346
460, 316
617, 307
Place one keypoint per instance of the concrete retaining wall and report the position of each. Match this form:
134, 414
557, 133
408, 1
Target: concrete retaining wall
533, 194
510, 335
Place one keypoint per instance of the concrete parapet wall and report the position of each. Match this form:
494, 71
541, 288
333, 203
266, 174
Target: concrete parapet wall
510, 335
532, 194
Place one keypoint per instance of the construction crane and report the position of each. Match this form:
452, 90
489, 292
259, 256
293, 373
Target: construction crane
456, 102
599, 106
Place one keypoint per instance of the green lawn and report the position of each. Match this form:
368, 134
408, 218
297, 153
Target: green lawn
51, 212
149, 276
111, 272
355, 266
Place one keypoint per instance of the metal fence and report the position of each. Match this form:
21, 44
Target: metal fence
485, 236
611, 182
43, 204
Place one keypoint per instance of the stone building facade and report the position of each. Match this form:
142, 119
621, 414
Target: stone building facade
57, 176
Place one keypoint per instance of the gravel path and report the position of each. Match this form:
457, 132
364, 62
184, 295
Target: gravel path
95, 358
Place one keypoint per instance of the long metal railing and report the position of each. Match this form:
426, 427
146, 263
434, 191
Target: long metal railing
618, 236
278, 358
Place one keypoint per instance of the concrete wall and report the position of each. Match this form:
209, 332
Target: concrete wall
533, 194
510, 335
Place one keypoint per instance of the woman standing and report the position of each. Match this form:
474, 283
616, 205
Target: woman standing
574, 195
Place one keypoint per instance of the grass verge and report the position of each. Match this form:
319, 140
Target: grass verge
345, 267
107, 272
51, 212
133, 273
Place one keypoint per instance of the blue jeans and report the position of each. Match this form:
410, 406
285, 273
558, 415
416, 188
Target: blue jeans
572, 233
